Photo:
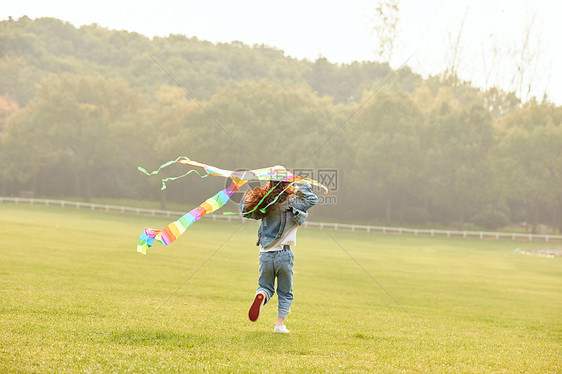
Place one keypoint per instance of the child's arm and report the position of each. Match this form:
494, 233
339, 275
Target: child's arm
303, 200
245, 214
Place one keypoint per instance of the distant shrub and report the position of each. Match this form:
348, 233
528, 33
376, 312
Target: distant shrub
490, 219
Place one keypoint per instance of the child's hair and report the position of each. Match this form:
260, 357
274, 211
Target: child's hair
253, 197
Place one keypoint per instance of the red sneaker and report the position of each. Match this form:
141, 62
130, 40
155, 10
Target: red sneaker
255, 309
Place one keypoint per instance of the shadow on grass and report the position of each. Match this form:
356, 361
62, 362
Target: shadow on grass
265, 336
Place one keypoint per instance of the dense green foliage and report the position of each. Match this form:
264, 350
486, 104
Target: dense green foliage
80, 109
76, 297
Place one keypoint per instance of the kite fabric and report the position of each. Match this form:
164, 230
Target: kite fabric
171, 232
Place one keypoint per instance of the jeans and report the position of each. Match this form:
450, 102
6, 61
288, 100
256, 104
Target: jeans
277, 264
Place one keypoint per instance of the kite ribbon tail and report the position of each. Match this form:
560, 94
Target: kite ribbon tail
163, 166
171, 232
180, 159
146, 240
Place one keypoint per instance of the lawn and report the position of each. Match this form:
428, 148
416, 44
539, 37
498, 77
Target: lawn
76, 297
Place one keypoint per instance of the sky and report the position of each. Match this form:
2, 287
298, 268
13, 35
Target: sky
491, 38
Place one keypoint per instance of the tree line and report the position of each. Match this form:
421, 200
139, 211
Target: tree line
81, 108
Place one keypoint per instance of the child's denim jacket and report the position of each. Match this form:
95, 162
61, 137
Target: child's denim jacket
293, 210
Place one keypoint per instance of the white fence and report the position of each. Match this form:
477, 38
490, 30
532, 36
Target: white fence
309, 224
433, 232
107, 208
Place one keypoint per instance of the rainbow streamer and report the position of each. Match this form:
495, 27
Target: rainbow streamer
171, 232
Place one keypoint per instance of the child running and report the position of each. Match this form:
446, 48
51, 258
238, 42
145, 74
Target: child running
276, 234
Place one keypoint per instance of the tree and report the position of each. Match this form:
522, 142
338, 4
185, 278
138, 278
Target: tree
385, 26
461, 171
500, 103
322, 77
526, 56
17, 79
25, 148
531, 158
455, 53
7, 108
388, 153
85, 124
172, 129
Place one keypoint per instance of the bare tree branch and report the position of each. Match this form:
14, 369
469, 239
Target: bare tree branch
385, 27
455, 50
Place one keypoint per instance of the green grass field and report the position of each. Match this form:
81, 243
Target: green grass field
76, 297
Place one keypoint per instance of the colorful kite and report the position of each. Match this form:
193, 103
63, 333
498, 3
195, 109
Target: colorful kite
171, 232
